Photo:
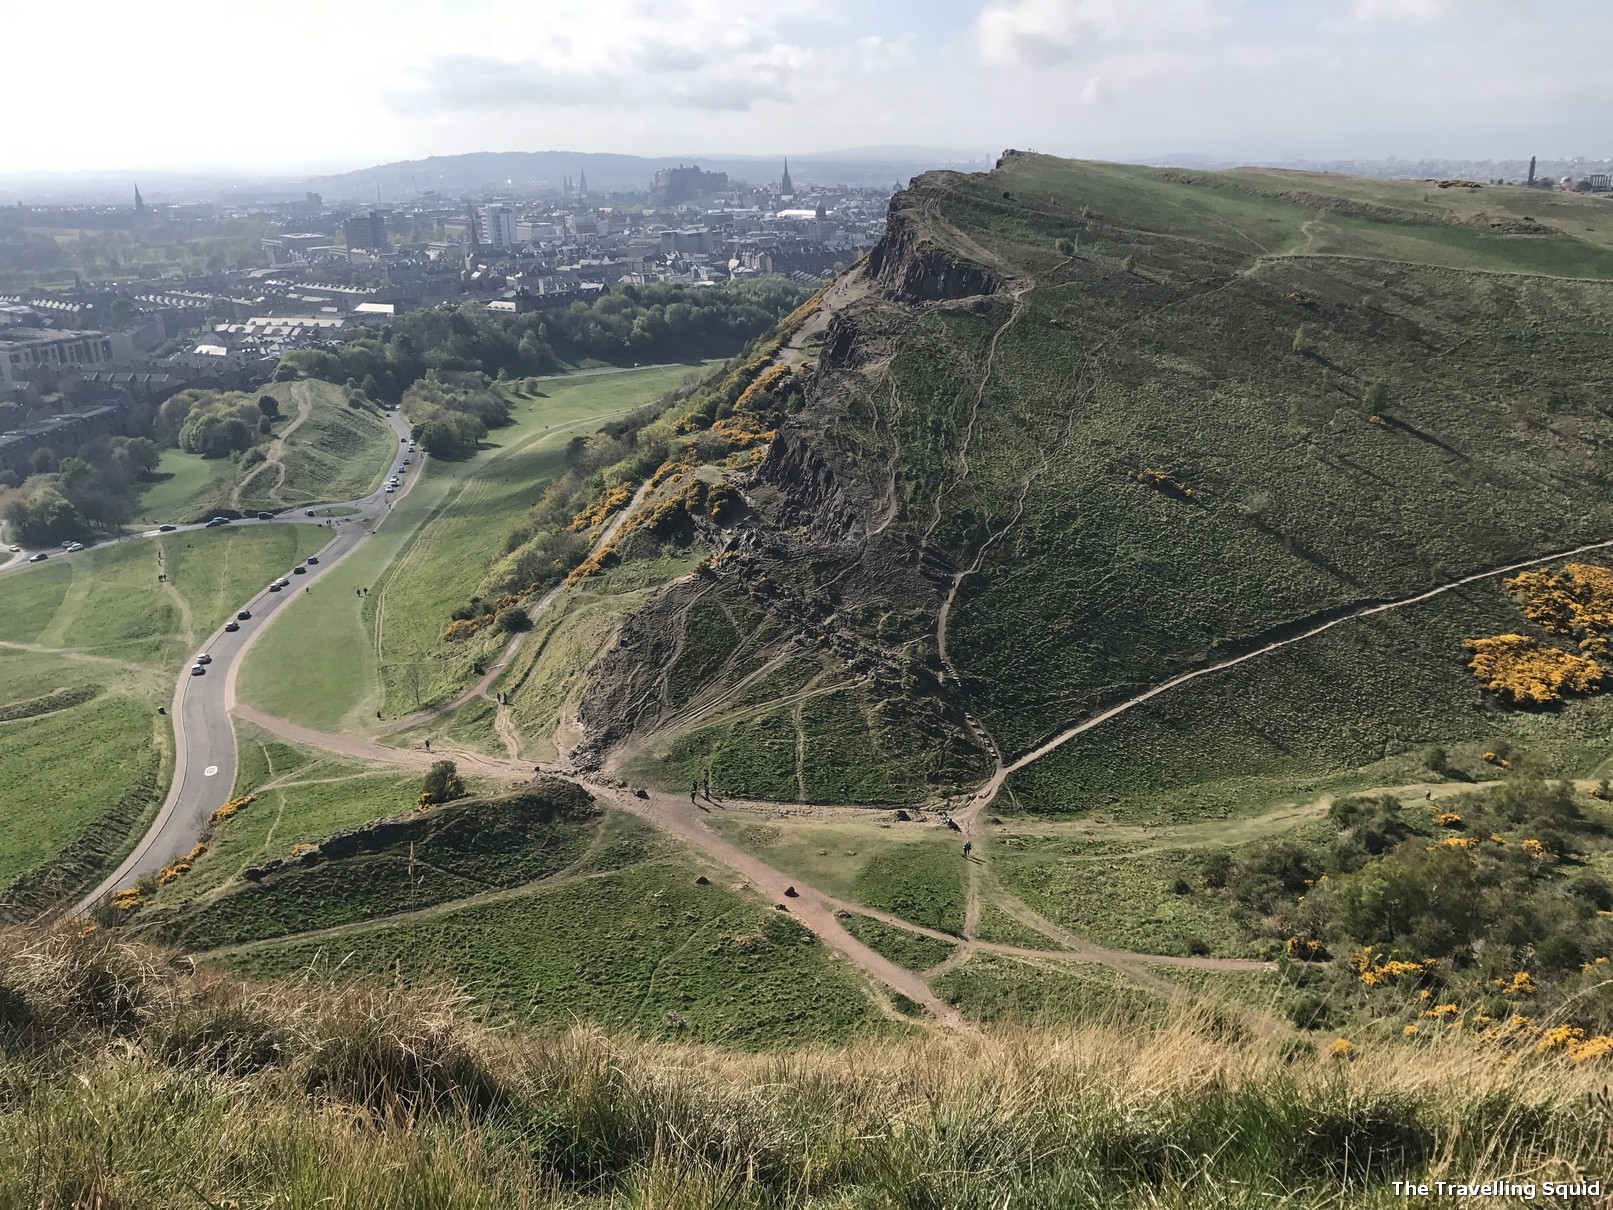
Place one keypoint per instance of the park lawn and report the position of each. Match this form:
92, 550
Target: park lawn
644, 950
341, 657
108, 600
183, 487
907, 869
79, 782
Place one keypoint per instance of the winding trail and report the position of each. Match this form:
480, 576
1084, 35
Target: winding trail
969, 815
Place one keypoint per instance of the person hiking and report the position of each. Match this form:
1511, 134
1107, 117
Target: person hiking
968, 847
428, 745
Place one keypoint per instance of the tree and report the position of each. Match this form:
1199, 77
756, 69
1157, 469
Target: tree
269, 406
443, 783
513, 620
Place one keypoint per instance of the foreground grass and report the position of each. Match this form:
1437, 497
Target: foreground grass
133, 1082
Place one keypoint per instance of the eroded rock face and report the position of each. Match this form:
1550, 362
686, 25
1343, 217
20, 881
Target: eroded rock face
908, 265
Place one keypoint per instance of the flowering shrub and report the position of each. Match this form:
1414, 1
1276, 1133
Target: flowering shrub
228, 809
1518, 669
1521, 984
1448, 819
1535, 850
1162, 481
594, 514
1577, 600
1341, 1048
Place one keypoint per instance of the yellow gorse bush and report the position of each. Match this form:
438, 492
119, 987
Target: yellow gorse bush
1527, 673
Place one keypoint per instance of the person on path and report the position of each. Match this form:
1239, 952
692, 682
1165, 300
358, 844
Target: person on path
428, 745
968, 847
693, 786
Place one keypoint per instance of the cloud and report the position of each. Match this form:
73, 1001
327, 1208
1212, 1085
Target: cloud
1395, 10
1044, 33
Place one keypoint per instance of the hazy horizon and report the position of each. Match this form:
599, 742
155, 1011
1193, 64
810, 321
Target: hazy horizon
193, 88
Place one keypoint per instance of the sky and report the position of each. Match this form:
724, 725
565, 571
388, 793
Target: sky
326, 85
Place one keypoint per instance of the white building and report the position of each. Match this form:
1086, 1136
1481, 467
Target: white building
498, 226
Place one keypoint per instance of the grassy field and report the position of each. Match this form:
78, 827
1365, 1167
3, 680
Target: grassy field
90, 644
323, 449
342, 656
915, 952
643, 950
82, 780
908, 869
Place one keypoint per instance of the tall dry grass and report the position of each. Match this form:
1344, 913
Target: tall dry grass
129, 1079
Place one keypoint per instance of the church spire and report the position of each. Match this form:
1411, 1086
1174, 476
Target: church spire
582, 182
139, 202
785, 185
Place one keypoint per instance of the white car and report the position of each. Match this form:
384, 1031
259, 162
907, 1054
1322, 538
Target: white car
283, 582
16, 550
75, 547
204, 658
390, 489
197, 670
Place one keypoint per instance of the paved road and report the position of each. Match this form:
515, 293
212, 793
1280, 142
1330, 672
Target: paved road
204, 741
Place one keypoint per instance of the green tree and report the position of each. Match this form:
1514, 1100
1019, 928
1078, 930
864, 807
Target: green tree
443, 783
269, 406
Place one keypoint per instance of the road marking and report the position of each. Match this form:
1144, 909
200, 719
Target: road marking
210, 771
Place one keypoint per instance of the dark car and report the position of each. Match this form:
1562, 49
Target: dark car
313, 560
263, 516
308, 512
166, 529
232, 626
299, 570
244, 616
275, 587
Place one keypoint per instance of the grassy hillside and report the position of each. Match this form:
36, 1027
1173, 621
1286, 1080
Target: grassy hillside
90, 644
1077, 428
324, 449
386, 1094
376, 651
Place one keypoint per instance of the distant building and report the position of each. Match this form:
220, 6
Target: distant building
366, 231
684, 184
293, 248
785, 185
497, 227
23, 349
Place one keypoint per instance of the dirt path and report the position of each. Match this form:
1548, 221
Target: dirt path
988, 792
276, 455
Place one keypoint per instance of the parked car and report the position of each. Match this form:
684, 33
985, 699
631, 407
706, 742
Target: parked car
313, 560
283, 582
232, 626
390, 488
215, 523
407, 461
265, 516
308, 512
244, 616
74, 547
204, 658
299, 570
166, 529
67, 545
275, 587
197, 670
39, 558
16, 550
